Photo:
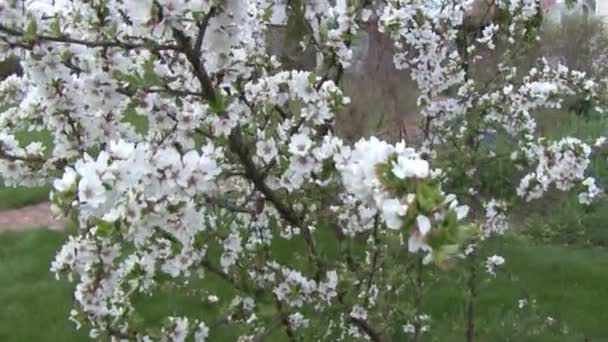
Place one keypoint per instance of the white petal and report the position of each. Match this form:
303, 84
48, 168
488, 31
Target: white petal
391, 212
414, 243
462, 211
424, 224
422, 168
427, 259
449, 198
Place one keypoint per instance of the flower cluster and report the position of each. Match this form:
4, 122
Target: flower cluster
395, 182
561, 163
493, 262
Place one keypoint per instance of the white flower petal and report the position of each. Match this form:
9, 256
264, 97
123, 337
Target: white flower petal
462, 211
414, 243
424, 224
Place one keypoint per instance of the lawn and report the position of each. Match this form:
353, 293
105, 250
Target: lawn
34, 305
16, 197
568, 284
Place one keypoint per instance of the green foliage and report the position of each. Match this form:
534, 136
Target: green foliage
8, 67
31, 30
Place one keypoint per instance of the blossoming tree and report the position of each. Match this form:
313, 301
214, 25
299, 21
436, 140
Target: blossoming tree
190, 159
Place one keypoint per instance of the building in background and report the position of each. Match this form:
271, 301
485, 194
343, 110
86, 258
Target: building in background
555, 9
601, 9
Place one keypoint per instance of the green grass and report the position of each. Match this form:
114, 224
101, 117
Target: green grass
34, 306
15, 197
568, 284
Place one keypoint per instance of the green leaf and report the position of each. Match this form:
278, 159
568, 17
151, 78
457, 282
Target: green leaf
31, 29
444, 256
425, 197
267, 13
112, 30
451, 220
328, 168
56, 26
150, 78
218, 104
312, 78
132, 80
438, 237
104, 228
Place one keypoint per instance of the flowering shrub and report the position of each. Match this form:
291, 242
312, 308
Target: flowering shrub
187, 155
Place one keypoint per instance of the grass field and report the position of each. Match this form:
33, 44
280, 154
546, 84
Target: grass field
34, 305
568, 284
16, 197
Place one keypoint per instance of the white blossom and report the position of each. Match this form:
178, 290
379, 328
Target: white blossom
493, 262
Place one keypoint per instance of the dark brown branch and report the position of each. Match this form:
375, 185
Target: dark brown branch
229, 206
238, 146
9, 157
284, 320
202, 29
209, 267
366, 328
165, 90
91, 44
472, 298
199, 70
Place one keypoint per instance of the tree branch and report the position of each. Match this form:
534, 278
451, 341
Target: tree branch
202, 29
209, 267
238, 146
9, 157
193, 58
90, 43
472, 298
363, 325
284, 320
